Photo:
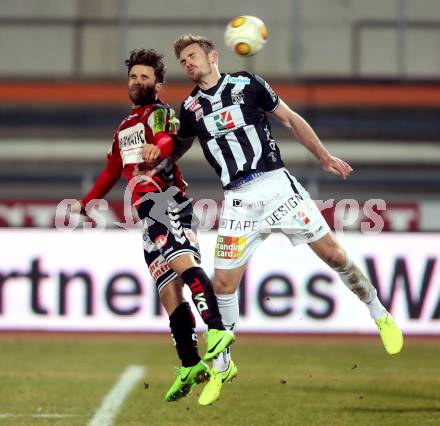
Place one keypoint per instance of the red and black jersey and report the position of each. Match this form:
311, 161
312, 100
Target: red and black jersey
142, 126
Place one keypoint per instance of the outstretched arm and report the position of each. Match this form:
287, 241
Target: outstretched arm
307, 137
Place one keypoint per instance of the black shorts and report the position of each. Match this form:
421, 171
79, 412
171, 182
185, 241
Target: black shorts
169, 230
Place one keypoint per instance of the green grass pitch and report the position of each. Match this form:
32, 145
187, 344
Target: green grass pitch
285, 380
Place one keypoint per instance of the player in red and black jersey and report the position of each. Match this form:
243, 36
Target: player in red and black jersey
143, 139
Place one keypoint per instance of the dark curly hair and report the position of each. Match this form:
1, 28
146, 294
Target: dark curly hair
148, 57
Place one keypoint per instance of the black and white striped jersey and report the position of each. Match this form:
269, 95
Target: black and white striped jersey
230, 121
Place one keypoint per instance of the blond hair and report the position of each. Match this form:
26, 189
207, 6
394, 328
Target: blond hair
187, 39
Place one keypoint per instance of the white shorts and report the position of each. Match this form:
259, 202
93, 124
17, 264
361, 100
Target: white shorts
274, 202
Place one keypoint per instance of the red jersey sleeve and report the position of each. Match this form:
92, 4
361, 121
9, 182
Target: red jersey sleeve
109, 176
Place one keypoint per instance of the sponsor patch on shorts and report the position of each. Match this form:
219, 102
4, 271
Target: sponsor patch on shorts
301, 218
230, 247
158, 268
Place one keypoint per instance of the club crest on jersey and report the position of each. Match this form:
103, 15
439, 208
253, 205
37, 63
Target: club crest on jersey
160, 241
237, 97
224, 120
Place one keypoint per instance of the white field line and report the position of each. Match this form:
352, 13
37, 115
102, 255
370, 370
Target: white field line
112, 402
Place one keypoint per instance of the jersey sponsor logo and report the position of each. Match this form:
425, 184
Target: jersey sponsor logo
239, 80
283, 210
237, 97
194, 105
258, 204
230, 247
221, 122
301, 218
132, 136
224, 120
158, 268
131, 141
191, 103
270, 91
216, 104
238, 225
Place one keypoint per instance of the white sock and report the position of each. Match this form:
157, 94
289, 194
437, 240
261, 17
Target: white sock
377, 310
360, 285
229, 310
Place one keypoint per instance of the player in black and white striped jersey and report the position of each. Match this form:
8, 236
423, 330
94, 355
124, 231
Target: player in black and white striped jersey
235, 136
227, 112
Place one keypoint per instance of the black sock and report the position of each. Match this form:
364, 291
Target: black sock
203, 297
182, 324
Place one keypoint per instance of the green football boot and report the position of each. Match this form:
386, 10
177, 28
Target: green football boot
390, 334
212, 389
187, 378
217, 341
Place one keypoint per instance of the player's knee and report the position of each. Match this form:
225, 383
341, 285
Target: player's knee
221, 285
335, 257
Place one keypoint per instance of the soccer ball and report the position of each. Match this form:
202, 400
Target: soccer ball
246, 35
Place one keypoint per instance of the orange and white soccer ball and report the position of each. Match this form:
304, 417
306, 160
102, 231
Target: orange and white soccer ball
246, 35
